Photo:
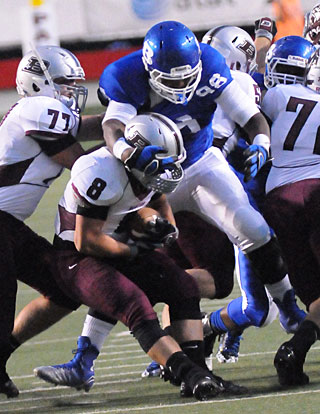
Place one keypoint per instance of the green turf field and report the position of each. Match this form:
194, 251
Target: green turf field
119, 387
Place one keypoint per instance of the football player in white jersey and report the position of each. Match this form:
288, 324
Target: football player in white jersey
37, 141
176, 77
293, 191
124, 279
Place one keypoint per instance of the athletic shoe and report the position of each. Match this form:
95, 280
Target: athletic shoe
218, 386
290, 315
7, 386
289, 366
152, 370
77, 373
228, 351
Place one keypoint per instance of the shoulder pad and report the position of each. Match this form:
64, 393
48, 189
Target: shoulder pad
47, 115
99, 180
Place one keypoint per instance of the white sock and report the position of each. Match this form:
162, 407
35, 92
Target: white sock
97, 330
277, 290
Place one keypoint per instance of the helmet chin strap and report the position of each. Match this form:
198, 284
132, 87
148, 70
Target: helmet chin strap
44, 69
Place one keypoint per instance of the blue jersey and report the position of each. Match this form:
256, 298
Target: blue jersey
259, 78
127, 81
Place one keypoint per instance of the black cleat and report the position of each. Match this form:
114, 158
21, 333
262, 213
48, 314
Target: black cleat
289, 366
231, 388
167, 375
206, 388
7, 386
221, 386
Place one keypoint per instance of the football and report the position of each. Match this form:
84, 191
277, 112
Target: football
138, 223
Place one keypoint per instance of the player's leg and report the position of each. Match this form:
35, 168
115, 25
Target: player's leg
294, 210
139, 316
32, 258
221, 198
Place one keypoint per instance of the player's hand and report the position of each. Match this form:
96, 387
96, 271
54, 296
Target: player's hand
256, 156
163, 231
142, 247
265, 27
159, 232
146, 160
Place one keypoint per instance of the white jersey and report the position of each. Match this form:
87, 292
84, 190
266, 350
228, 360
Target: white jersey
100, 183
27, 133
223, 126
295, 136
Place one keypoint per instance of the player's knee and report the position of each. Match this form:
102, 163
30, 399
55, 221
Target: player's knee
186, 309
268, 262
252, 225
147, 333
224, 287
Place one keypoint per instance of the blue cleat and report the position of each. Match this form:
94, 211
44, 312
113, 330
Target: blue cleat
152, 370
228, 351
290, 315
77, 373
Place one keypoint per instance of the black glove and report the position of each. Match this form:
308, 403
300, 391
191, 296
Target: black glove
142, 247
265, 27
158, 230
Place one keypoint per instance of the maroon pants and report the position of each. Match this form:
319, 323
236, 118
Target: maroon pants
27, 257
202, 245
127, 291
293, 211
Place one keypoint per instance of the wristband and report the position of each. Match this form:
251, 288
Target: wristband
119, 147
264, 33
262, 140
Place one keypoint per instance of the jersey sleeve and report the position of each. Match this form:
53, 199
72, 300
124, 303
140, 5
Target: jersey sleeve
49, 123
94, 187
216, 74
116, 82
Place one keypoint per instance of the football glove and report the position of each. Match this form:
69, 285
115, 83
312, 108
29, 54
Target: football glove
158, 232
265, 27
142, 247
145, 160
256, 156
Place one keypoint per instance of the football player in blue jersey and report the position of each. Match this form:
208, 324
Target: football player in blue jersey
176, 76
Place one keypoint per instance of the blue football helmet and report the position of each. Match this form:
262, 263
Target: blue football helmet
286, 61
171, 55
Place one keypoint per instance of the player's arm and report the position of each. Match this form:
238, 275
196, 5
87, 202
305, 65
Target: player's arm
117, 115
51, 127
67, 157
90, 240
113, 129
90, 128
265, 30
161, 204
244, 112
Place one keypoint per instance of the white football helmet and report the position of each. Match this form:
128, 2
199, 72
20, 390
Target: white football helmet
312, 75
155, 129
311, 30
235, 45
47, 71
